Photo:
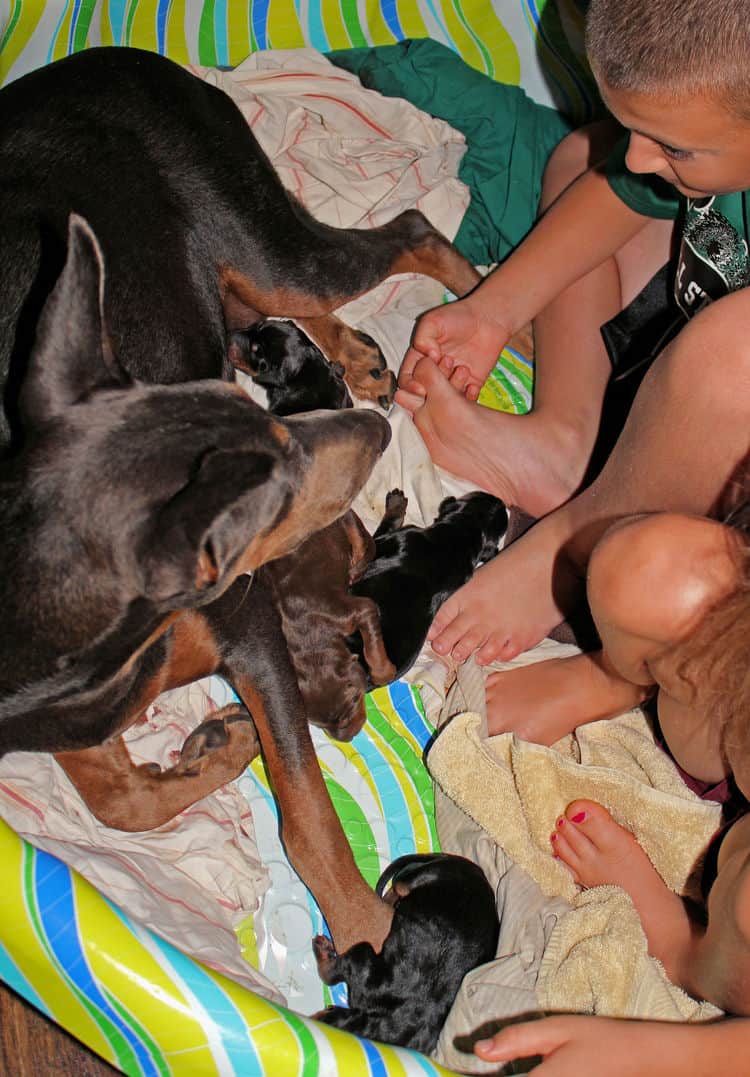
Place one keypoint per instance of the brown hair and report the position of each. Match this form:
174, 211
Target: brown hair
673, 48
715, 658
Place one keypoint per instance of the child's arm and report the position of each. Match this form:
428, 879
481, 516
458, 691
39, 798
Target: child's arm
586, 225
575, 1046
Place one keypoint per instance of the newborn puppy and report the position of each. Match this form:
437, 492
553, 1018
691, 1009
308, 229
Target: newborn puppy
415, 569
293, 371
445, 923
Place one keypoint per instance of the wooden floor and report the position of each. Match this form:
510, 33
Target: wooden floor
32, 1046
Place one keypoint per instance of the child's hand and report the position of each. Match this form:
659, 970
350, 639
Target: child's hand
463, 342
578, 1046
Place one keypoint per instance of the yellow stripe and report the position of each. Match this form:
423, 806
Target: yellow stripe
334, 25
22, 33
176, 41
376, 28
411, 19
27, 951
284, 29
138, 982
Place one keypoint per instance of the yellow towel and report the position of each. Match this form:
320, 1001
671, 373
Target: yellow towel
596, 960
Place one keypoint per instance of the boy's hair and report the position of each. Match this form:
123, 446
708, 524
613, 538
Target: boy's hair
673, 47
715, 659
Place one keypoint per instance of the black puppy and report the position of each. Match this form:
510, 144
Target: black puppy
445, 923
415, 569
294, 372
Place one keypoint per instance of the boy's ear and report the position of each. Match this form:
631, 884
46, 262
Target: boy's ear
72, 355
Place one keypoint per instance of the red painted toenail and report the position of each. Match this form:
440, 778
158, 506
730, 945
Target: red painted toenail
560, 821
578, 818
553, 837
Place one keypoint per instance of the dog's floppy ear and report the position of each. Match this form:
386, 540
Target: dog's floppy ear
72, 354
199, 533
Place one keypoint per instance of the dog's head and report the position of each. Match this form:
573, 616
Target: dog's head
125, 494
294, 372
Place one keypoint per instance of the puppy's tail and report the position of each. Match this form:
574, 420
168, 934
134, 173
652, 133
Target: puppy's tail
405, 867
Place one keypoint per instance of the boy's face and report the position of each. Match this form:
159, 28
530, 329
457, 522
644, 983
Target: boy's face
698, 146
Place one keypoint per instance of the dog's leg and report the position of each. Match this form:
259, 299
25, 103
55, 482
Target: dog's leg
366, 620
124, 796
310, 829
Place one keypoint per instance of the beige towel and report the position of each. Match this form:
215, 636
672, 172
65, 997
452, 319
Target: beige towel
596, 960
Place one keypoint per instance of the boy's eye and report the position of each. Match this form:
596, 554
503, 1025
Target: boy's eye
674, 153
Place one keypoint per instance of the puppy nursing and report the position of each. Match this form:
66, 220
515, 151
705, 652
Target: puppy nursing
444, 924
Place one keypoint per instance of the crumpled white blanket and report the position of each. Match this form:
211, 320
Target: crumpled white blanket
354, 158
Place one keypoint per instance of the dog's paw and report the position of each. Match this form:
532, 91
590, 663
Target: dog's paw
227, 741
365, 369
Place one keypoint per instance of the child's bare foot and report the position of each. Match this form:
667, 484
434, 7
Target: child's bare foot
544, 701
527, 462
510, 603
600, 852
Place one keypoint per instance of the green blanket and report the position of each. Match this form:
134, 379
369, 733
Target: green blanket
509, 136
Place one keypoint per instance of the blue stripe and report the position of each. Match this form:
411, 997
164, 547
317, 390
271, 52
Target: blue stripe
402, 698
521, 358
15, 979
259, 9
50, 51
394, 805
53, 887
315, 28
221, 35
162, 16
116, 9
374, 1059
73, 21
390, 14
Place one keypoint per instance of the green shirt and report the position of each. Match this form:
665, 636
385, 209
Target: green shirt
713, 258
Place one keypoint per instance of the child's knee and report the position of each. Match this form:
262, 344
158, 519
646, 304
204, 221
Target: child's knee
578, 151
655, 575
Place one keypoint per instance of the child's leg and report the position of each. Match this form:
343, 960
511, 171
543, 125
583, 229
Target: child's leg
711, 962
537, 461
544, 701
685, 435
600, 852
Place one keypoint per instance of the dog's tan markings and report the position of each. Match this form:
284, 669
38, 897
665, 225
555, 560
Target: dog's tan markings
364, 366
134, 798
439, 259
313, 837
243, 298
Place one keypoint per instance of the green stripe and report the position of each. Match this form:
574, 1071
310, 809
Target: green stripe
488, 64
126, 1059
353, 26
206, 37
150, 1044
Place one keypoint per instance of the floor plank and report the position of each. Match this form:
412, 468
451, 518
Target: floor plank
33, 1046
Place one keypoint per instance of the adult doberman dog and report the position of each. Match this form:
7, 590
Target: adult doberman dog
135, 488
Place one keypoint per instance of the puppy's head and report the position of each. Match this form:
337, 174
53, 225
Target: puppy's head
296, 375
481, 513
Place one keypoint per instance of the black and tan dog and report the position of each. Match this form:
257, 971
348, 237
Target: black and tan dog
134, 492
445, 923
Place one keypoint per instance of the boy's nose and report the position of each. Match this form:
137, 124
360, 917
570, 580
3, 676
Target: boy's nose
644, 155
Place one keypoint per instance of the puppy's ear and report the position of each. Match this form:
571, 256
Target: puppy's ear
72, 355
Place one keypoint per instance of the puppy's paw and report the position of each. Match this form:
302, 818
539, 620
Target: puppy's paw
325, 957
